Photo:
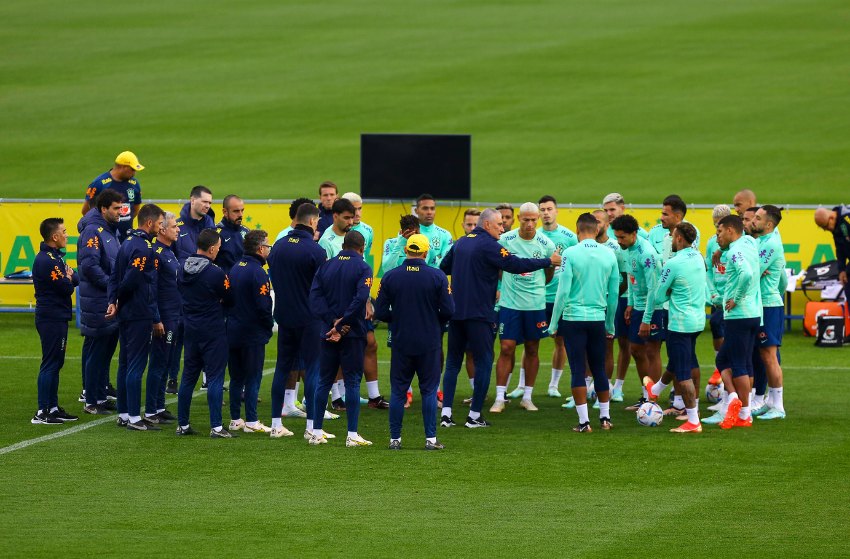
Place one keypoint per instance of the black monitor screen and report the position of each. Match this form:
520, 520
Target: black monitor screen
406, 165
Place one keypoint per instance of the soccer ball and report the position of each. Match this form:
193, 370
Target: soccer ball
713, 392
650, 414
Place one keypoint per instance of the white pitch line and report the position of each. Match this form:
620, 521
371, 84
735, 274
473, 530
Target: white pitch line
84, 426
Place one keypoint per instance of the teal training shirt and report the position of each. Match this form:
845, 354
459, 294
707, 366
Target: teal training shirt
667, 244
644, 265
682, 282
563, 239
441, 241
742, 281
656, 237
331, 242
772, 278
527, 291
366, 230
283, 234
588, 286
716, 275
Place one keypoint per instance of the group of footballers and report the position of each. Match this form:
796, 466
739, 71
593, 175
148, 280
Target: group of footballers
185, 284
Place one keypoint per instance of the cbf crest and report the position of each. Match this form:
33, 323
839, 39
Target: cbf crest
131, 195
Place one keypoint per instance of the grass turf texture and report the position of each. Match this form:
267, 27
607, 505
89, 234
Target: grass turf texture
780, 487
268, 99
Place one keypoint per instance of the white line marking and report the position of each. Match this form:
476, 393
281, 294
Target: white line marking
84, 426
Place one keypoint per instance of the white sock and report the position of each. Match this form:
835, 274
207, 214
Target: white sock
288, 399
295, 390
604, 409
500, 393
778, 403
309, 425
124, 416
731, 396
678, 403
276, 422
527, 393
431, 440
398, 440
693, 415
472, 383
218, 429
184, 427
372, 389
353, 435
521, 378
474, 415
757, 401
618, 384
658, 388
556, 378
204, 378
252, 423
447, 411
582, 413
149, 415
135, 418
588, 381
341, 385
410, 388
318, 433
160, 410
334, 391
744, 413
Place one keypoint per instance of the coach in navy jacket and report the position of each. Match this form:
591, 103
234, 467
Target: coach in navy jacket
338, 297
232, 233
190, 226
249, 328
416, 301
54, 283
474, 263
293, 263
132, 297
205, 289
97, 251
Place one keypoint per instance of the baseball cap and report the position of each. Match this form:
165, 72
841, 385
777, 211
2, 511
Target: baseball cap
129, 159
418, 243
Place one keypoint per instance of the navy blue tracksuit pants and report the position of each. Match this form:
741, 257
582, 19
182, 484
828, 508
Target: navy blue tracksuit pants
97, 357
585, 341
402, 369
347, 353
54, 339
477, 336
174, 365
210, 356
293, 345
245, 364
135, 338
162, 357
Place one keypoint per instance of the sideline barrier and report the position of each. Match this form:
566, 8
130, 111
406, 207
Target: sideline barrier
805, 244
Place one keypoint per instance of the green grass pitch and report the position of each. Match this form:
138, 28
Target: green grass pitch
527, 486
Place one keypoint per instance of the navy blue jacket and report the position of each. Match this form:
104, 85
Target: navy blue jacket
168, 299
326, 219
841, 236
293, 263
132, 284
53, 288
205, 290
97, 251
474, 262
187, 241
231, 251
416, 301
250, 321
340, 290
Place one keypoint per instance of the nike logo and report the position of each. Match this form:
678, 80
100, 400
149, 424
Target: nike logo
183, 234
108, 240
226, 240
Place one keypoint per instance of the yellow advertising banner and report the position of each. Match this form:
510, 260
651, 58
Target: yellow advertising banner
805, 244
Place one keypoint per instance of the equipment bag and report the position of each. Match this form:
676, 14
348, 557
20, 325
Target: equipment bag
830, 331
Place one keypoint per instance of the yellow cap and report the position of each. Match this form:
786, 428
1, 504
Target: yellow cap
129, 159
418, 243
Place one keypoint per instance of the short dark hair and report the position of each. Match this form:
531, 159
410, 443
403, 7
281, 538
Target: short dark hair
293, 207
773, 213
353, 240
149, 212
198, 190
50, 226
505, 206
305, 211
207, 238
328, 184
753, 209
547, 198
687, 231
587, 223
424, 196
108, 197
626, 224
676, 204
342, 205
253, 239
472, 211
734, 222
408, 221
227, 199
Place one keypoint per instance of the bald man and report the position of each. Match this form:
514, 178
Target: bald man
837, 220
744, 200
